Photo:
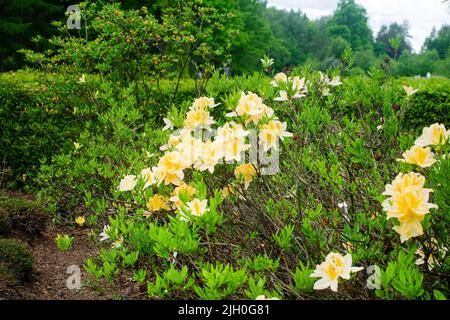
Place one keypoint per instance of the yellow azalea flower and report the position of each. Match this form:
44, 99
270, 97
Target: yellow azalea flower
422, 157
148, 177
203, 103
270, 132
80, 221
409, 90
325, 91
298, 84
247, 171
410, 208
173, 141
233, 149
251, 108
268, 139
433, 135
336, 81
170, 168
196, 208
157, 203
212, 152
334, 267
128, 183
190, 149
283, 96
404, 182
184, 189
198, 118
279, 78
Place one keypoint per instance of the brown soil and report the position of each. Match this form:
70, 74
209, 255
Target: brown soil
50, 271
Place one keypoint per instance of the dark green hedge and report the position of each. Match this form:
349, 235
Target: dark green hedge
430, 104
16, 261
33, 128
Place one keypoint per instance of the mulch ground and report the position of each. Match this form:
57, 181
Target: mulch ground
50, 271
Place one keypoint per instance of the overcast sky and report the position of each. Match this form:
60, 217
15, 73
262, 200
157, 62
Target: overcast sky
421, 14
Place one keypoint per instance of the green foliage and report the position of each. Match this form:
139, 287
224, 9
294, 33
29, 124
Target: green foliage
171, 281
302, 280
219, 281
15, 260
430, 104
64, 242
401, 279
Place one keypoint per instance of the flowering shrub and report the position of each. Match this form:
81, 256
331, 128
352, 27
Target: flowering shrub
192, 211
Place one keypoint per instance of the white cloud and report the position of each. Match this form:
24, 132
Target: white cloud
422, 15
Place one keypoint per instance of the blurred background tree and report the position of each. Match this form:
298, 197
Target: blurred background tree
289, 37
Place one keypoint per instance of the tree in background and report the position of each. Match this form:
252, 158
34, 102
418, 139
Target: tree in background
439, 41
291, 36
383, 45
350, 22
20, 20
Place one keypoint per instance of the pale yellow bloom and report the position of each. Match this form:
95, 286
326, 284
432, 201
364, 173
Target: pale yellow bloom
409, 90
212, 152
157, 203
404, 182
270, 133
170, 168
80, 221
283, 96
251, 108
247, 171
334, 267
279, 77
408, 202
422, 157
128, 183
182, 189
190, 149
234, 148
335, 82
196, 208
198, 118
77, 145
433, 135
148, 177
325, 91
203, 103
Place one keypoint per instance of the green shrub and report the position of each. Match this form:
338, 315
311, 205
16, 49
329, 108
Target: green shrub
35, 124
21, 216
430, 104
15, 260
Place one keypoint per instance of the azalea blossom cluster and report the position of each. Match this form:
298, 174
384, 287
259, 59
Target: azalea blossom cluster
326, 83
334, 267
197, 146
289, 88
407, 198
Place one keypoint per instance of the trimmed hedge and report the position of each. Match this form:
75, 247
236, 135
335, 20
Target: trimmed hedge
430, 104
21, 216
16, 261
